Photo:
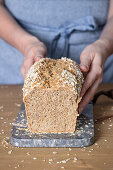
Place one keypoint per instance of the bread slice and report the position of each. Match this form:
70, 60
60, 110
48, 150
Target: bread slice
51, 94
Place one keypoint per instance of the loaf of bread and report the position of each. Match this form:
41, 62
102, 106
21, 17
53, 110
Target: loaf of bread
51, 94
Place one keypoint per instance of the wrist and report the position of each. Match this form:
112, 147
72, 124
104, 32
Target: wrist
105, 44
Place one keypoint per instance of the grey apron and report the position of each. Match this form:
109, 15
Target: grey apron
66, 27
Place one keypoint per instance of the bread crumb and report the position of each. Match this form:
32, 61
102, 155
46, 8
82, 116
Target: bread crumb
22, 161
1, 107
9, 152
110, 125
70, 149
75, 159
17, 104
54, 152
63, 161
27, 153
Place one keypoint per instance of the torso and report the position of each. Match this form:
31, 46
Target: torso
51, 13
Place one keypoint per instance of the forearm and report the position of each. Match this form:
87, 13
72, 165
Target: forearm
107, 33
107, 36
12, 32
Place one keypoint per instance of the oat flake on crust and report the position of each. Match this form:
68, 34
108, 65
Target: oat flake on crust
49, 73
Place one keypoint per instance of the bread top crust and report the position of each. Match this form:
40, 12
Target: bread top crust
52, 73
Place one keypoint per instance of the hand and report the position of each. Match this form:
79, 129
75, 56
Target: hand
92, 61
34, 51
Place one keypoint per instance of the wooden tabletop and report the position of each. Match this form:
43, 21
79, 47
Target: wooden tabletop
97, 156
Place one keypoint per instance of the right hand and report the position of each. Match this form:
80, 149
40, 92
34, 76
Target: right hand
34, 51
92, 60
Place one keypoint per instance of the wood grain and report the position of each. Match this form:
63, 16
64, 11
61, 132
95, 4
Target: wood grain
97, 156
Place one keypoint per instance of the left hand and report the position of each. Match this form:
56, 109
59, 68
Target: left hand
92, 61
33, 51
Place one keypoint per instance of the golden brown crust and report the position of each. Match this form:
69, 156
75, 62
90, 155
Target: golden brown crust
51, 73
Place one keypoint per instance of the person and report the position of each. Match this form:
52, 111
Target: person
82, 31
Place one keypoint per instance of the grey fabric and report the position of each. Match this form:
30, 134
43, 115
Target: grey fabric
66, 27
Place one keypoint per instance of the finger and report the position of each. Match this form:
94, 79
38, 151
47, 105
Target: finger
38, 57
28, 62
88, 96
89, 80
37, 50
95, 73
85, 62
23, 72
40, 53
42, 50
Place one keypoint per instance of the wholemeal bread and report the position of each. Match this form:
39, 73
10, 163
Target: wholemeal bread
51, 94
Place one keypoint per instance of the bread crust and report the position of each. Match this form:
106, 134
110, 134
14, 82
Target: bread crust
51, 73
44, 78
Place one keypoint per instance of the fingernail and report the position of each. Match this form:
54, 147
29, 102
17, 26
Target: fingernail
39, 57
80, 110
84, 67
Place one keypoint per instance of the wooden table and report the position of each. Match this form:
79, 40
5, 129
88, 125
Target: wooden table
97, 156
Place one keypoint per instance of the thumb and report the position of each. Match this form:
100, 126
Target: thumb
85, 62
